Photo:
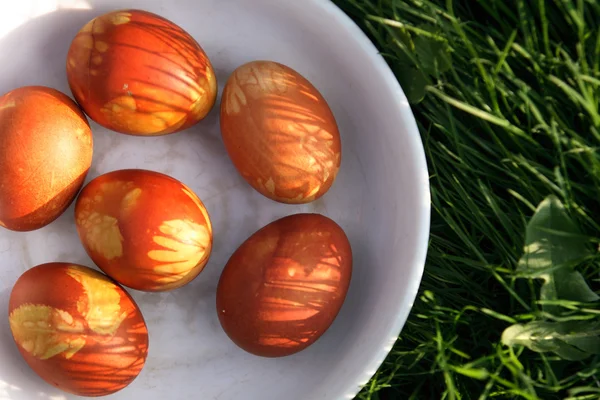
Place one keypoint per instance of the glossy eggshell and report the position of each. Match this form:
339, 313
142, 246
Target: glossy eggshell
284, 286
45, 154
138, 73
280, 132
146, 230
77, 329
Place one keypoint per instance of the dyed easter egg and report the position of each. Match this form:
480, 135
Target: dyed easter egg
144, 229
77, 329
279, 132
138, 73
46, 151
284, 286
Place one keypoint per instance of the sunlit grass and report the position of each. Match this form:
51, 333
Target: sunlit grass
506, 94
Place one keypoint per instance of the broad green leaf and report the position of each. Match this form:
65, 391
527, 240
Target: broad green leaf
433, 55
413, 83
551, 238
569, 340
553, 247
588, 344
567, 285
401, 42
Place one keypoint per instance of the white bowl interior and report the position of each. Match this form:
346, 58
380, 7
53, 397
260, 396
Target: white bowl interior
381, 198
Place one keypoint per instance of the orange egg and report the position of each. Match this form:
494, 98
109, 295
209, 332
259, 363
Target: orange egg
284, 286
138, 73
280, 132
77, 329
45, 154
144, 229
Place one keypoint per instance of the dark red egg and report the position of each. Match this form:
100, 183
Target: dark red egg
284, 286
77, 329
144, 229
138, 73
46, 151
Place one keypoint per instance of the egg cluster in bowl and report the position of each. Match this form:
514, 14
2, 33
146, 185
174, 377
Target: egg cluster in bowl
138, 74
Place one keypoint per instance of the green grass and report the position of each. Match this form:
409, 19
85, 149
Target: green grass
506, 95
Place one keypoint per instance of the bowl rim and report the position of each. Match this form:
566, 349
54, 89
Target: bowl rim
343, 22
423, 194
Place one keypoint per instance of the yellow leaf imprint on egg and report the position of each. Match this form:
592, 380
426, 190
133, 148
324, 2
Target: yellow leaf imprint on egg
81, 51
87, 28
8, 104
185, 245
168, 121
122, 111
245, 76
235, 98
210, 78
199, 106
313, 192
270, 185
300, 197
317, 132
258, 80
95, 26
98, 26
101, 46
119, 18
97, 59
130, 200
102, 233
270, 78
338, 156
122, 104
198, 93
101, 303
203, 99
45, 332
109, 188
87, 42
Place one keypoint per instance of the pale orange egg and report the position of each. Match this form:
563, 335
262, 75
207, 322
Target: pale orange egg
279, 132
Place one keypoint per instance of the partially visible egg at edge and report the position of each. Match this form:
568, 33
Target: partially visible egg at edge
46, 150
77, 329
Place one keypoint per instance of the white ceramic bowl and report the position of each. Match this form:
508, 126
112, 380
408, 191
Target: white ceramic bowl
381, 198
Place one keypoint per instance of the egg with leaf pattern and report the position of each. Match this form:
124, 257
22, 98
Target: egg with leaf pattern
280, 133
77, 329
137, 73
283, 287
146, 230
